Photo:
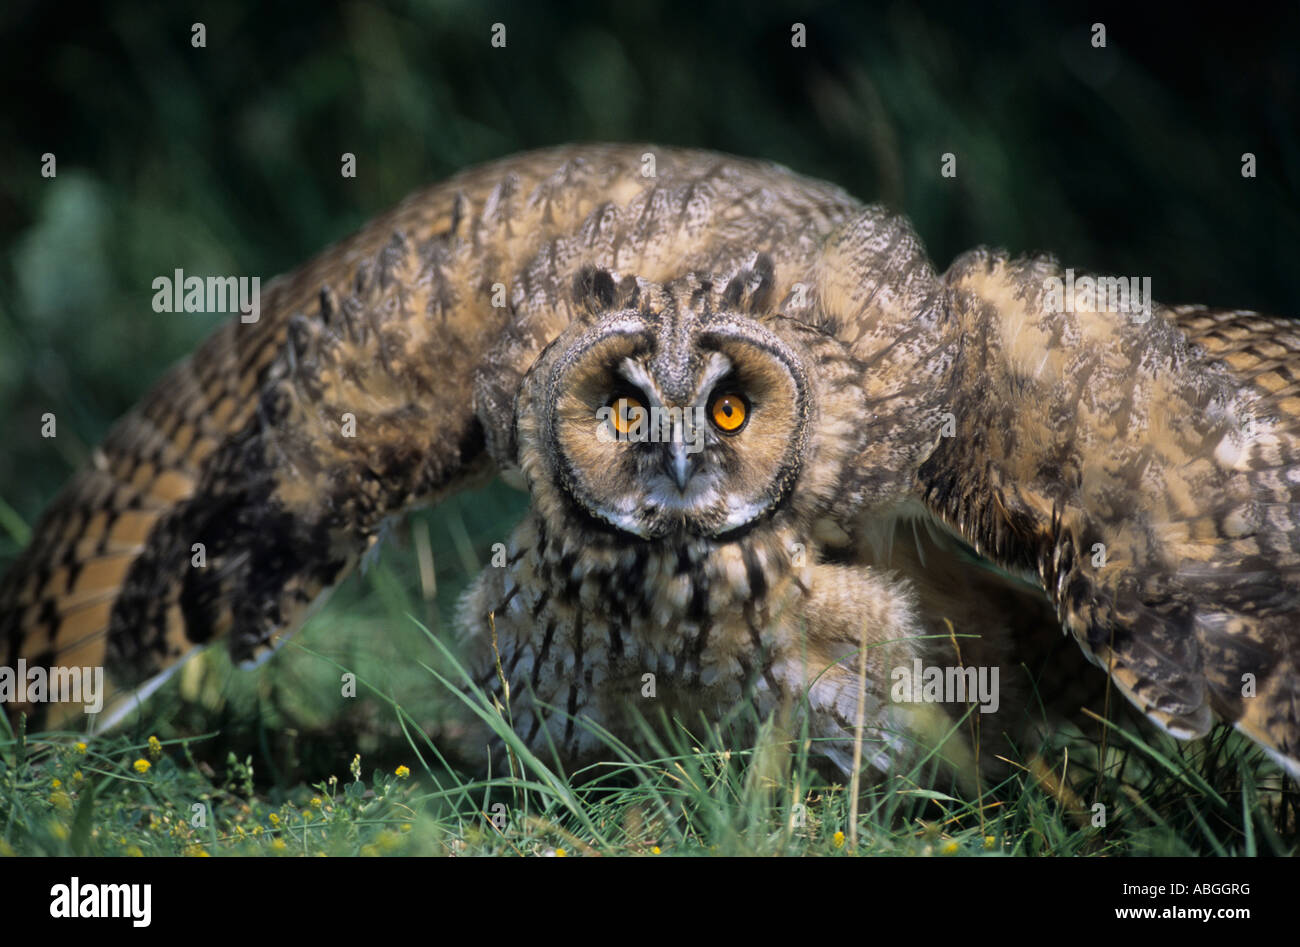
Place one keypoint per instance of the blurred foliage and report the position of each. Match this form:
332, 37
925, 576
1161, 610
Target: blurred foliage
226, 160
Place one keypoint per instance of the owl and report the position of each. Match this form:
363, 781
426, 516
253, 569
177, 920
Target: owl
776, 461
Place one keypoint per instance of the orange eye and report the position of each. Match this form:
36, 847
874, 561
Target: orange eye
729, 411
626, 411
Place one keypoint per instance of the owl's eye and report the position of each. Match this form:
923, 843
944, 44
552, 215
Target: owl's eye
625, 411
729, 411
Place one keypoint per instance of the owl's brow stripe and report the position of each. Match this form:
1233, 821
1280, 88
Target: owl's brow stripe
629, 328
718, 368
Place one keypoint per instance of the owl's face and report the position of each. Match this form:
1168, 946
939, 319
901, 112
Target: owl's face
662, 416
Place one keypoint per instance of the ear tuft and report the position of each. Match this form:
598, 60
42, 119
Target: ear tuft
750, 290
594, 290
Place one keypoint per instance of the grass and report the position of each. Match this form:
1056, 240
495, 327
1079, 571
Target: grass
125, 796
274, 762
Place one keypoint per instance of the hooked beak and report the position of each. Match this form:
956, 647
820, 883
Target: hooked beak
679, 463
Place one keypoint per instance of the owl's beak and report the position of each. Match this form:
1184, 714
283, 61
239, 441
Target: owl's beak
679, 463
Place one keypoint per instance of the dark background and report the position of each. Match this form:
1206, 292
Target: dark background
226, 159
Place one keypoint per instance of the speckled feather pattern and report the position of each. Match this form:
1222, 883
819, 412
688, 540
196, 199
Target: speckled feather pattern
890, 395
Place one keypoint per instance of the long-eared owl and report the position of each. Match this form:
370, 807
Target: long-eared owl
775, 460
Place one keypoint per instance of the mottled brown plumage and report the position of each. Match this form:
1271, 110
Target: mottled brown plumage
1168, 445
1143, 473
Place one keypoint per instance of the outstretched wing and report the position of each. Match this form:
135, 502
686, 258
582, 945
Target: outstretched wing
257, 471
1145, 465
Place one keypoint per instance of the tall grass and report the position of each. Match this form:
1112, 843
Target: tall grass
280, 764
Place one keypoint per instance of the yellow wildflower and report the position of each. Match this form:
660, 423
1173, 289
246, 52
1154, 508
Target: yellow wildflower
838, 839
141, 766
402, 772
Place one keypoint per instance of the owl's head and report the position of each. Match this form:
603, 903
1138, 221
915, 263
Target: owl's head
674, 410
